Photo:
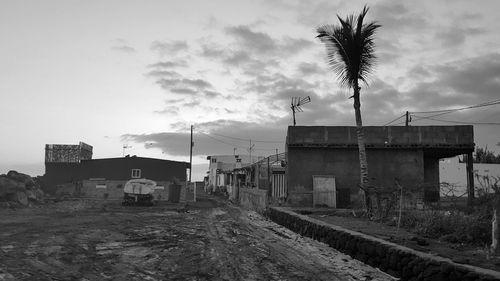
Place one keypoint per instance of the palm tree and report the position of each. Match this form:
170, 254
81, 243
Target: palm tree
350, 50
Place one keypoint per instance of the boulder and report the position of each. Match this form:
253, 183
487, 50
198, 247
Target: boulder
19, 197
9, 186
19, 188
21, 178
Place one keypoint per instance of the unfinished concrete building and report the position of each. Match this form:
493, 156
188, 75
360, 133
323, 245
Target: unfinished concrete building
67, 153
325, 160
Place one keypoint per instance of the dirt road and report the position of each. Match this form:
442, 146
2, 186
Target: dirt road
209, 240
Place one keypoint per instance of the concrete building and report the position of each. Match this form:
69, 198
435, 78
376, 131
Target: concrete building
73, 174
328, 157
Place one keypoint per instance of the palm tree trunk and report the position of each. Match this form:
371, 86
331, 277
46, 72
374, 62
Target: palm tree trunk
363, 163
495, 233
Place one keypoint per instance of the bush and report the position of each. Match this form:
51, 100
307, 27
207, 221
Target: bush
449, 226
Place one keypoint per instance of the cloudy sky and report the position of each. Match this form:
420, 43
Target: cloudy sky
139, 73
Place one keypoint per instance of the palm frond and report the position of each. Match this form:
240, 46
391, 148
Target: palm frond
350, 47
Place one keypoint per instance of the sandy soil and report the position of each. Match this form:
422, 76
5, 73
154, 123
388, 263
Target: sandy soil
209, 240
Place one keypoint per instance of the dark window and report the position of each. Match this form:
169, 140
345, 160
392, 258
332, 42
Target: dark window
136, 173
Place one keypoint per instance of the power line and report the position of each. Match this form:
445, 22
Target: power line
445, 111
232, 144
456, 122
241, 139
395, 120
221, 141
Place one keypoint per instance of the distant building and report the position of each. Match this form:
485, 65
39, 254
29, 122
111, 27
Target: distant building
324, 161
71, 168
62, 163
219, 165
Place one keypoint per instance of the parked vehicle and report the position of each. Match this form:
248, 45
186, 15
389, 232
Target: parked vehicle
138, 192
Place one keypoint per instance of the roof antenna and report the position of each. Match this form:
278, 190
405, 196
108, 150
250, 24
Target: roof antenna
296, 103
125, 146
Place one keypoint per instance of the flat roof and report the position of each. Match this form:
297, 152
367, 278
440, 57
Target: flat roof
442, 140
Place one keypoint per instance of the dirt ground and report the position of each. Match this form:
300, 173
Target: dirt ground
459, 253
207, 240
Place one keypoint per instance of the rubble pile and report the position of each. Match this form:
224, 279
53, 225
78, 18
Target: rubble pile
17, 189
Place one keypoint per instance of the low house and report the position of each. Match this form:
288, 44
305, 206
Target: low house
324, 161
105, 178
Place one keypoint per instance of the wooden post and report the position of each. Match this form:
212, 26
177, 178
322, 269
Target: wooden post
470, 179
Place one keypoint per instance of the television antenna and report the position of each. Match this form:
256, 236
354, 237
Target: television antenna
125, 146
250, 149
296, 103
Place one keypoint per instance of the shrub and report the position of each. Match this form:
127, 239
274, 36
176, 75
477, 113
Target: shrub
449, 226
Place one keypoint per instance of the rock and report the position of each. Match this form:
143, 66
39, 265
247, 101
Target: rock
9, 186
19, 197
20, 177
20, 188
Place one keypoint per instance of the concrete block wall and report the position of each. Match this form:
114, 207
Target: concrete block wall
383, 136
384, 165
394, 259
253, 199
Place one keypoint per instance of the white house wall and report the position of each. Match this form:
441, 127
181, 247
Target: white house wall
453, 172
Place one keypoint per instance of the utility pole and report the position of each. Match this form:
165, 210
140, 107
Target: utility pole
191, 154
408, 118
191, 144
250, 151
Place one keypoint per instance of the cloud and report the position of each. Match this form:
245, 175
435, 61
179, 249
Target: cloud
260, 43
396, 16
455, 36
169, 47
169, 110
163, 69
237, 58
278, 85
306, 69
211, 50
255, 41
125, 49
163, 74
216, 137
295, 45
122, 45
462, 82
169, 64
212, 94
183, 91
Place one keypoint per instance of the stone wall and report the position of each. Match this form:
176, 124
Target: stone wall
253, 199
394, 259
